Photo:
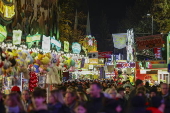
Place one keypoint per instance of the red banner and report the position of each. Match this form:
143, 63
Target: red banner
105, 54
149, 42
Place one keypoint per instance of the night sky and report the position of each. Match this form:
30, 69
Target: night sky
115, 10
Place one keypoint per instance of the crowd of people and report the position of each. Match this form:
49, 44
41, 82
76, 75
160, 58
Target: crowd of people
89, 97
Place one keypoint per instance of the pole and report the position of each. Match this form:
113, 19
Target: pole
152, 25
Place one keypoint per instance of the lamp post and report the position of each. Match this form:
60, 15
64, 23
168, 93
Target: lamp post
152, 21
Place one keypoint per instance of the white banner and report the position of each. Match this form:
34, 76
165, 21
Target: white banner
119, 40
46, 43
16, 38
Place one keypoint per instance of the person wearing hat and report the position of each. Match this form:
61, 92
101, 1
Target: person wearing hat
16, 89
157, 105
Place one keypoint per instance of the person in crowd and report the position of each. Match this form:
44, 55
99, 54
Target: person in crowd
16, 89
127, 92
26, 100
56, 102
166, 96
120, 97
70, 100
39, 101
153, 92
80, 107
138, 83
13, 103
2, 107
157, 105
111, 106
128, 84
112, 92
104, 86
138, 105
82, 96
95, 103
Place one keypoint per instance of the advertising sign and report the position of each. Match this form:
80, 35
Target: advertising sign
125, 65
149, 42
105, 54
157, 52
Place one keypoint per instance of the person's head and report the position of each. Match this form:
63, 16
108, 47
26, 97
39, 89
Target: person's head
12, 100
127, 81
104, 84
127, 89
25, 95
138, 83
164, 88
112, 106
153, 92
80, 107
158, 102
70, 97
95, 89
15, 89
141, 91
112, 92
56, 96
38, 97
121, 91
147, 84
82, 96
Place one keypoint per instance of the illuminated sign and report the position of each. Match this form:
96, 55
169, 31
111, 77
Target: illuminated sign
125, 65
17, 37
76, 47
7, 11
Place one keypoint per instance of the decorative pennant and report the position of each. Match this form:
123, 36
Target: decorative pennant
66, 46
46, 44
30, 39
17, 37
3, 33
76, 47
55, 43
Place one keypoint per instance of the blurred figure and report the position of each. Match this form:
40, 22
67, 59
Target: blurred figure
2, 107
82, 97
153, 92
120, 97
157, 105
56, 102
80, 107
39, 101
138, 105
26, 100
127, 92
13, 104
111, 106
112, 92
70, 100
95, 104
166, 96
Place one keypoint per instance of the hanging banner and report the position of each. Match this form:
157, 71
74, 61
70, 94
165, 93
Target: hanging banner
90, 43
46, 44
7, 11
66, 46
16, 37
76, 47
149, 42
119, 40
130, 45
30, 39
55, 43
3, 33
